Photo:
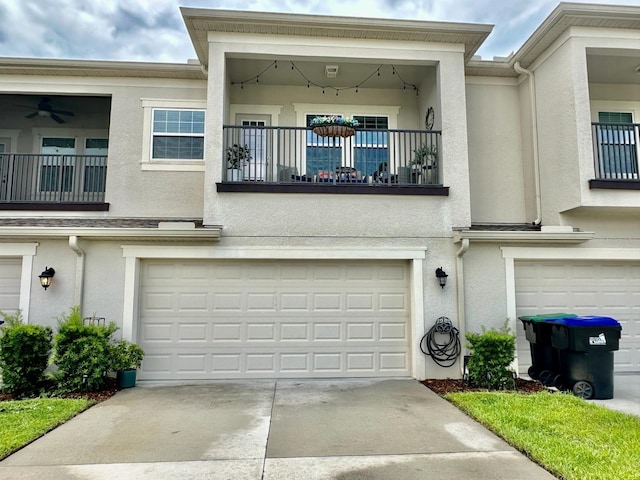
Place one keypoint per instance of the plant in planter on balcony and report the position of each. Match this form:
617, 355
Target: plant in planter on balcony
126, 358
237, 156
425, 156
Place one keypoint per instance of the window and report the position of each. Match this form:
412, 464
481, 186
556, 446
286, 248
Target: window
95, 164
371, 147
618, 155
56, 165
324, 154
365, 151
177, 134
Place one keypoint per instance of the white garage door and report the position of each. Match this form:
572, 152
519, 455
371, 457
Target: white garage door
10, 273
609, 289
253, 319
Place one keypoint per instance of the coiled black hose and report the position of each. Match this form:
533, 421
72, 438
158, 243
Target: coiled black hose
445, 352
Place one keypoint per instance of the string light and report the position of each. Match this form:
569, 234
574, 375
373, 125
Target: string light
311, 83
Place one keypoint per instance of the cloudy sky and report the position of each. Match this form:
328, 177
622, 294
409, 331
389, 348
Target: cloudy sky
153, 30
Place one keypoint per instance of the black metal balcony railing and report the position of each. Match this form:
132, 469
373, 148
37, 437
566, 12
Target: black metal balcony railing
615, 150
297, 155
26, 178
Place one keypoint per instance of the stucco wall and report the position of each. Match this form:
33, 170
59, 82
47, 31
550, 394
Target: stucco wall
495, 151
103, 281
556, 87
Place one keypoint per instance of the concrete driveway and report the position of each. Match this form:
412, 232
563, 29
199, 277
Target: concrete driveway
338, 429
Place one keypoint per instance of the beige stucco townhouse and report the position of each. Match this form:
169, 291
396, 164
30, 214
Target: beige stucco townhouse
316, 255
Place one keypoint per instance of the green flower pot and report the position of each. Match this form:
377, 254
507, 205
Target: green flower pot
126, 378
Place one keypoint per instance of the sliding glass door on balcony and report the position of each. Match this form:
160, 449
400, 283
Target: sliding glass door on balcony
616, 146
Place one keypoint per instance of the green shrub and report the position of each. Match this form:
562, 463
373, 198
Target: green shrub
492, 351
126, 356
82, 353
24, 355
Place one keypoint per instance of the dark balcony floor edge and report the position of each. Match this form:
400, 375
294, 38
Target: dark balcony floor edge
613, 184
57, 206
345, 189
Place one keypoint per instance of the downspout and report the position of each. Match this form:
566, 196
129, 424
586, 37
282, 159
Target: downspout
462, 324
79, 278
534, 132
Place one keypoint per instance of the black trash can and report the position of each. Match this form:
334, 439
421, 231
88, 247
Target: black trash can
585, 347
544, 358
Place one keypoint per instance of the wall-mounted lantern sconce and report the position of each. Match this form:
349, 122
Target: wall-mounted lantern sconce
46, 277
441, 275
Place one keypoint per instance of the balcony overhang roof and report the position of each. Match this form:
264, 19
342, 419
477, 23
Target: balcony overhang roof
564, 16
200, 22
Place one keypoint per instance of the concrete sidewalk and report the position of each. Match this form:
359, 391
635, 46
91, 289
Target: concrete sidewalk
338, 429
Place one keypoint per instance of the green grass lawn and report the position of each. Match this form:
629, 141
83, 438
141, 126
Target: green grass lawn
573, 439
22, 421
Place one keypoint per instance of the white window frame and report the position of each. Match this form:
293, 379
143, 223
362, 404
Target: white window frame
176, 165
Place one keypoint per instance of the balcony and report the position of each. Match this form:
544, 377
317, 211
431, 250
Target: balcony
615, 154
52, 182
297, 160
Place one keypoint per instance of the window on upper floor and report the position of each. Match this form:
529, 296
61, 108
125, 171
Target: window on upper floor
173, 134
177, 134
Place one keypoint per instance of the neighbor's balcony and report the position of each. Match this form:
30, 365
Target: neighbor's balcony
295, 159
52, 182
615, 154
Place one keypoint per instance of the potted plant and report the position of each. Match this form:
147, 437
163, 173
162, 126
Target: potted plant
126, 358
424, 159
334, 126
425, 156
237, 156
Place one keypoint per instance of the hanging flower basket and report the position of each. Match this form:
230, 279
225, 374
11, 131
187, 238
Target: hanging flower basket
334, 131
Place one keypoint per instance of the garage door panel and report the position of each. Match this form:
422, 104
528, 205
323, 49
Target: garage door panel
584, 288
274, 318
10, 274
264, 363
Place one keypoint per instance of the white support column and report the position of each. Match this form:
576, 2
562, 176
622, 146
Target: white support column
419, 364
130, 304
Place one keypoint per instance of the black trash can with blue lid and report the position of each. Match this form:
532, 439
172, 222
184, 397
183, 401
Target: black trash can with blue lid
544, 358
585, 346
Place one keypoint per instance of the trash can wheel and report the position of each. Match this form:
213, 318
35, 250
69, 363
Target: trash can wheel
546, 378
583, 389
560, 382
533, 372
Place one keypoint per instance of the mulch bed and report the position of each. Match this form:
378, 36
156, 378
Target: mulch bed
109, 391
444, 386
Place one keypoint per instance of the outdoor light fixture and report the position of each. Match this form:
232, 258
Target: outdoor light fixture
46, 276
441, 275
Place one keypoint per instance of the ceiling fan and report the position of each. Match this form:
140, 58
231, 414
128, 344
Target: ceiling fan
44, 109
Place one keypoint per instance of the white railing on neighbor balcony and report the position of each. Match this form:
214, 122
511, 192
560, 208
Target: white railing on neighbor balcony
286, 155
615, 150
41, 178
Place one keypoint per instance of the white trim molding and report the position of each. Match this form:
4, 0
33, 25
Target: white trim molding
27, 251
541, 253
272, 110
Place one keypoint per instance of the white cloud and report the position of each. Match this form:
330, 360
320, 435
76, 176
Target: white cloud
153, 30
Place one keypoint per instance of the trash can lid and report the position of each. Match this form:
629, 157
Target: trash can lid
546, 316
587, 321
